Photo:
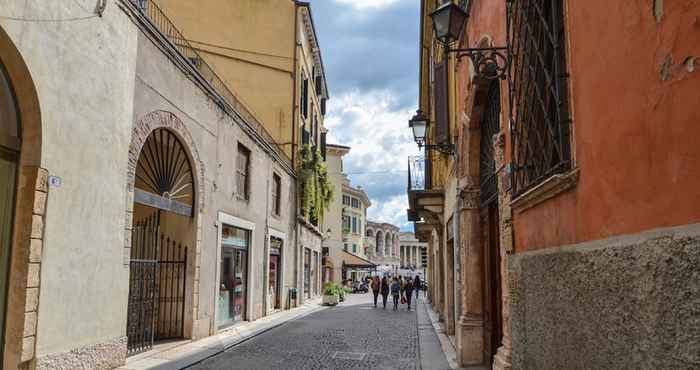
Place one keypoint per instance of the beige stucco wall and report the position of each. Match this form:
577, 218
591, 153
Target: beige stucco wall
258, 66
162, 86
80, 68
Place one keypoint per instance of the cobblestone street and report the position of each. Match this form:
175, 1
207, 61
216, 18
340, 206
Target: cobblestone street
353, 335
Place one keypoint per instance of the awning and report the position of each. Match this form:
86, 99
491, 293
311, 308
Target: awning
351, 261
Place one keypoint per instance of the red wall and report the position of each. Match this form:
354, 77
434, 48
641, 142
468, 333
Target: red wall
637, 136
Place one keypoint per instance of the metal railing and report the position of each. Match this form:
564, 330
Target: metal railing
165, 26
416, 173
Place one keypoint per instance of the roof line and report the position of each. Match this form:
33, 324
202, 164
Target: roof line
307, 5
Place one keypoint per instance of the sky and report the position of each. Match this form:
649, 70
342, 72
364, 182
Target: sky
370, 54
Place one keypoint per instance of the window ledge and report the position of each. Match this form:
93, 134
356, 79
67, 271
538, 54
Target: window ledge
550, 188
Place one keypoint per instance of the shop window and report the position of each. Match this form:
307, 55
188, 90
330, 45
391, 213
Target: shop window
233, 284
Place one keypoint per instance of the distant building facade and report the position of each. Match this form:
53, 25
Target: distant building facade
413, 255
382, 246
345, 221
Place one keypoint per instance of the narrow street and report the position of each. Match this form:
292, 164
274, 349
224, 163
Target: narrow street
352, 335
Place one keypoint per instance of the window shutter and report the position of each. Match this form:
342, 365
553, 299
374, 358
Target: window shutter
305, 98
319, 85
323, 106
442, 119
323, 145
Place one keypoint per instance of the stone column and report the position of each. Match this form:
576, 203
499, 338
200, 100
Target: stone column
470, 335
448, 292
502, 360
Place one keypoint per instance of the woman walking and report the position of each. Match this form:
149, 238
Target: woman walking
408, 291
396, 292
384, 288
375, 289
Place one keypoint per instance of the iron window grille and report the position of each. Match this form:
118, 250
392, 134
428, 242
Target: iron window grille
540, 121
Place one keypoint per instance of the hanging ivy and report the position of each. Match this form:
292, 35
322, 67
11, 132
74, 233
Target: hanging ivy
316, 188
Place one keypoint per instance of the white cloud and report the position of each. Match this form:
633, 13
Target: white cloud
392, 211
365, 4
377, 132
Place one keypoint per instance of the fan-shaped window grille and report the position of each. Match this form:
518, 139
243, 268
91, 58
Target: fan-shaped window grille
164, 177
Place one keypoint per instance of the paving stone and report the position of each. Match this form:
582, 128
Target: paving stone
382, 339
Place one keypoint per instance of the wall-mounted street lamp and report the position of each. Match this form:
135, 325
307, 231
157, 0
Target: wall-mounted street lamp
448, 24
419, 125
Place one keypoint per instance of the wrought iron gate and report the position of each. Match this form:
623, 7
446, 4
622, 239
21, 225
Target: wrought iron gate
157, 276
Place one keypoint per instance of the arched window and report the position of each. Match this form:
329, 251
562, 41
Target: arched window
388, 245
380, 242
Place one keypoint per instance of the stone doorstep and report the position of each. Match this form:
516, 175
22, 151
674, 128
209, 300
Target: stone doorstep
177, 355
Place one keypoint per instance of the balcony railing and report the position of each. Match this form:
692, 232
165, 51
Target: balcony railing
230, 103
416, 173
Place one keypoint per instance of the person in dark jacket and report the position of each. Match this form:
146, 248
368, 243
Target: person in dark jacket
396, 293
384, 288
408, 291
375, 288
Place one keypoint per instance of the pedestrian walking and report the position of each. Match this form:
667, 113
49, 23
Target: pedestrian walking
396, 293
408, 289
384, 289
376, 284
417, 286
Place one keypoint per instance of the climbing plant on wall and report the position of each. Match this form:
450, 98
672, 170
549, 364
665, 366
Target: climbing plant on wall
316, 188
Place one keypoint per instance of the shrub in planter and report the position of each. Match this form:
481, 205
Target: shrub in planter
331, 294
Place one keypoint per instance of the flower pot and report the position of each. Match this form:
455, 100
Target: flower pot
330, 300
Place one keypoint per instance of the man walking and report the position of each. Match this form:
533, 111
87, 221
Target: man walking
417, 286
408, 289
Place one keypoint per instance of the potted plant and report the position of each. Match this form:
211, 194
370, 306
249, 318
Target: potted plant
331, 294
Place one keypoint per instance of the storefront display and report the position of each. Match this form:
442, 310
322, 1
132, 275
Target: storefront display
234, 275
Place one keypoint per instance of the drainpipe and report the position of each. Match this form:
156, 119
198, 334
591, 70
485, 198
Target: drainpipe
297, 249
457, 243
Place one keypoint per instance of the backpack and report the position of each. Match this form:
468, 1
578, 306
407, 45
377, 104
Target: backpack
395, 288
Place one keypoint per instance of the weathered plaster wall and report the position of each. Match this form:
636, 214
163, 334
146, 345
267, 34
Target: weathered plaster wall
160, 85
83, 68
635, 122
626, 302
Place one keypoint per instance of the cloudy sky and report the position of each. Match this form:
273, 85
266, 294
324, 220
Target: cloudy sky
370, 52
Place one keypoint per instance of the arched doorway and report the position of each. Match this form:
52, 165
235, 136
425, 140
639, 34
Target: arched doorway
10, 143
162, 237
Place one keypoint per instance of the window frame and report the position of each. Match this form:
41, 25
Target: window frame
244, 173
276, 194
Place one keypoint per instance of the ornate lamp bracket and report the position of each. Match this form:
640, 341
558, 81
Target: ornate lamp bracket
442, 148
489, 63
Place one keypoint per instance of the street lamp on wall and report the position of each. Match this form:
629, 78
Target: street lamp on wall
419, 125
448, 24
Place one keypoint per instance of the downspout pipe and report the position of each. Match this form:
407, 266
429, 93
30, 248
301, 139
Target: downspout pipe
297, 246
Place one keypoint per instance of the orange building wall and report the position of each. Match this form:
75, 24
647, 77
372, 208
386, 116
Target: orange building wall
636, 111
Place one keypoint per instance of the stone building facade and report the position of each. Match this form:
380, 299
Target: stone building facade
382, 246
412, 255
144, 167
552, 244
